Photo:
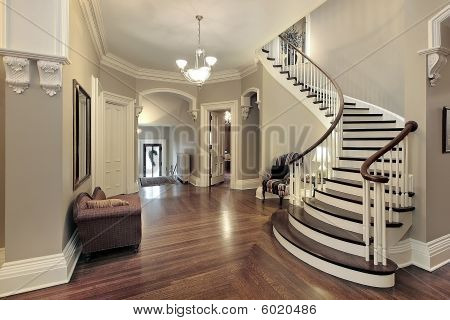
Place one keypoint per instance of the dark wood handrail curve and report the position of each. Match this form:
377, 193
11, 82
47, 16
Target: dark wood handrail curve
410, 126
338, 116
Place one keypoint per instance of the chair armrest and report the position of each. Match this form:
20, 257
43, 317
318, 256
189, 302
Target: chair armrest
111, 212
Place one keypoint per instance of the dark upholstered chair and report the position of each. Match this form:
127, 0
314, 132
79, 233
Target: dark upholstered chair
277, 180
107, 228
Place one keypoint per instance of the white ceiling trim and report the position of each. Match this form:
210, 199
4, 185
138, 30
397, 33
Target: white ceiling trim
93, 16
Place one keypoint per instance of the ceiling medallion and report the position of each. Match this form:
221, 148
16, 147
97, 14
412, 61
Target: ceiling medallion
199, 74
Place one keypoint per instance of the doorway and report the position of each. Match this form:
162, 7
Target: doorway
208, 165
217, 147
152, 160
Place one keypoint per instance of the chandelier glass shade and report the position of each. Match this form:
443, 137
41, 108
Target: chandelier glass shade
203, 64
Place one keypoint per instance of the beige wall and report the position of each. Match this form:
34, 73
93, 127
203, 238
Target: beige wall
2, 156
117, 82
286, 124
84, 65
438, 163
34, 166
363, 43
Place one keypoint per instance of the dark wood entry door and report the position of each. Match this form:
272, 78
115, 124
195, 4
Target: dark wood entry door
152, 159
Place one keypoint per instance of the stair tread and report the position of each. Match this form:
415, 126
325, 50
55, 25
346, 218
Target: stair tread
350, 103
364, 159
299, 214
355, 108
371, 129
367, 121
368, 138
265, 50
280, 222
342, 213
270, 59
358, 184
357, 199
363, 114
357, 170
367, 148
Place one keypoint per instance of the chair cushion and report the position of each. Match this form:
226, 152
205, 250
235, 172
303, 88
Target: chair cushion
109, 203
279, 172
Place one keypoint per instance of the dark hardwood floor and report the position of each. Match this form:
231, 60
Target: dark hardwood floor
219, 245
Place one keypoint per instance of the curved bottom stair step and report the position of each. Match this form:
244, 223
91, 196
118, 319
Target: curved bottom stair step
329, 260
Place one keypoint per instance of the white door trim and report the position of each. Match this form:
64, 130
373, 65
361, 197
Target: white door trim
205, 108
112, 98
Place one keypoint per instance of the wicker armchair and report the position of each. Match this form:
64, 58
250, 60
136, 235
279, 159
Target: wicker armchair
108, 228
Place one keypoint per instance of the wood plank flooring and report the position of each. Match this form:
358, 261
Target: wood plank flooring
219, 245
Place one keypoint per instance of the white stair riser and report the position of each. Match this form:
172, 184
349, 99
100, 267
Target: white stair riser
372, 134
347, 117
381, 281
379, 166
337, 244
350, 190
368, 125
365, 153
353, 111
365, 143
335, 221
347, 175
350, 206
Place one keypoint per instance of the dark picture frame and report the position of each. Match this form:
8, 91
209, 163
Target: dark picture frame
445, 130
81, 135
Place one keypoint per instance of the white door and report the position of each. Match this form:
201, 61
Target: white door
217, 136
115, 149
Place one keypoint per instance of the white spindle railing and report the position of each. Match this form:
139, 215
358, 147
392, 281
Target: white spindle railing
392, 185
385, 180
309, 169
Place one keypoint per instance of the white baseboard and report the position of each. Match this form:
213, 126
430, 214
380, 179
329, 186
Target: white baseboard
2, 256
194, 180
41, 272
428, 256
248, 184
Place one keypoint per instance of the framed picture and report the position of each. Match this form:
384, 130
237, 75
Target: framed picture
81, 135
446, 130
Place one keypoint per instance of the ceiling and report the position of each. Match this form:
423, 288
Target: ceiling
154, 33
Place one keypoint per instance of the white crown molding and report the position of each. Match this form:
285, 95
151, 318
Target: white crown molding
93, 16
50, 74
436, 54
34, 56
17, 73
41, 272
426, 255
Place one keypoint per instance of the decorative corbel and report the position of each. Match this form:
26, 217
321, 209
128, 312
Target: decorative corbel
138, 110
436, 60
194, 114
50, 74
17, 73
245, 111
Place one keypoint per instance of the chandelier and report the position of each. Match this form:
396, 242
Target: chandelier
199, 74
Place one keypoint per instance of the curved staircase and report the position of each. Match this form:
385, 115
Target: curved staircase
351, 192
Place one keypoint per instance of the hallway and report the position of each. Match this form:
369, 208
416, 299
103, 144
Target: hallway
219, 245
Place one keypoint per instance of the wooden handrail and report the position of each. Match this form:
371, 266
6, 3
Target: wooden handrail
410, 126
338, 116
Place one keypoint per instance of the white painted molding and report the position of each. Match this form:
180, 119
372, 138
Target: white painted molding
17, 73
138, 110
248, 184
436, 53
426, 255
205, 108
194, 180
194, 114
245, 111
436, 60
50, 74
41, 272
94, 20
191, 99
55, 46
